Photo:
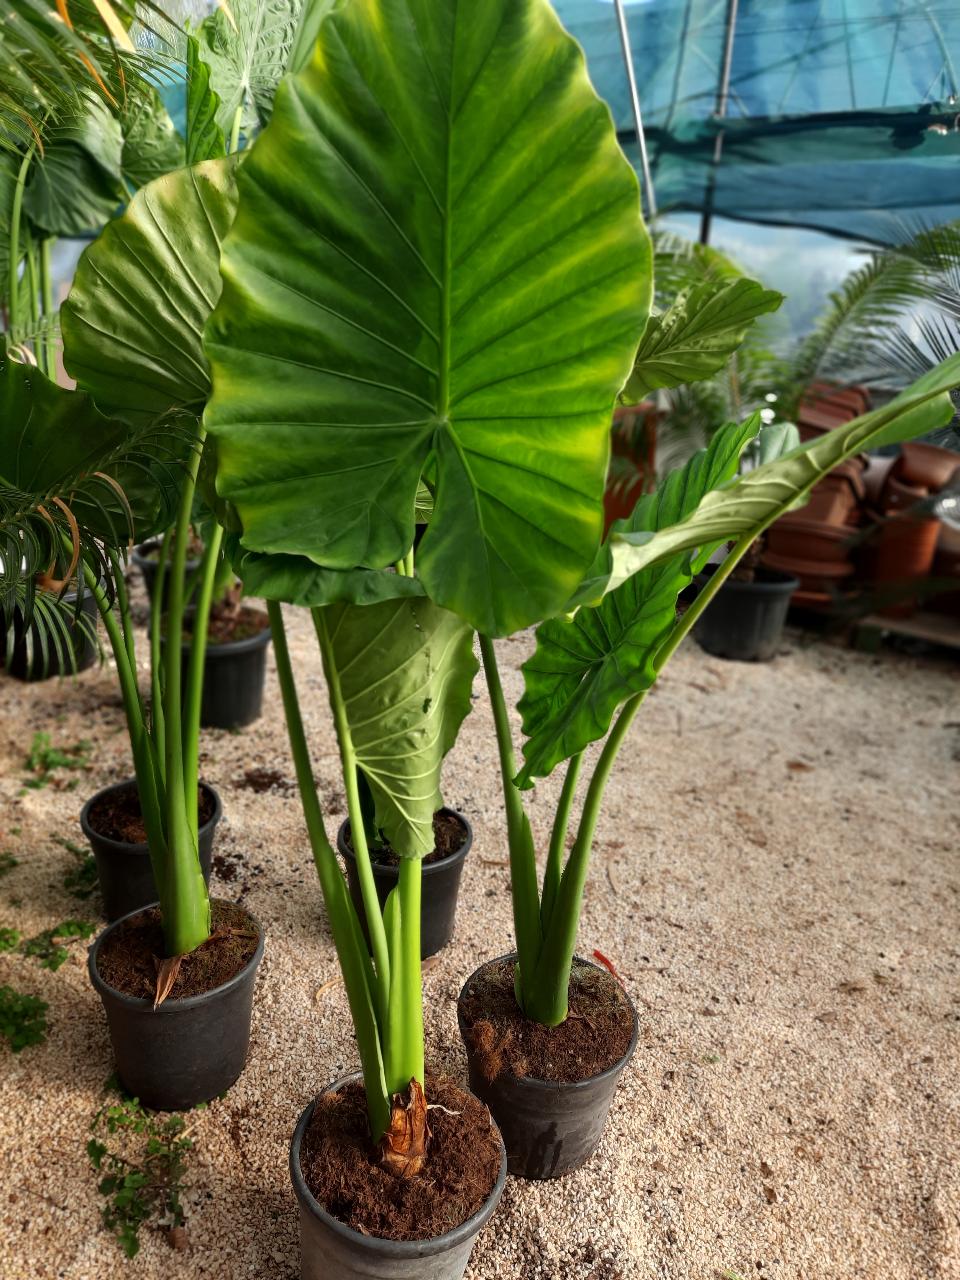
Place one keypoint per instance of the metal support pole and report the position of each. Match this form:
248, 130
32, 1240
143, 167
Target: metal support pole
720, 110
648, 191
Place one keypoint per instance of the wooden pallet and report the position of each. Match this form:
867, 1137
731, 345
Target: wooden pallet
935, 628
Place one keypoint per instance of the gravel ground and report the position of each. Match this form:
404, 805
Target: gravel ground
775, 877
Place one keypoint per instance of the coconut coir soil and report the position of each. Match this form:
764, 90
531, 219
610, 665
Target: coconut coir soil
128, 959
340, 1165
118, 815
227, 626
449, 835
595, 1035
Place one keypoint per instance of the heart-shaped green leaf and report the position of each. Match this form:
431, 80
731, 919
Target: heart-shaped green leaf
247, 53
297, 580
438, 265
404, 670
204, 135
143, 290
584, 667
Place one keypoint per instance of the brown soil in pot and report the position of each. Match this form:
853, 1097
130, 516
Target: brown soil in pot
118, 816
227, 626
595, 1035
341, 1165
449, 835
128, 959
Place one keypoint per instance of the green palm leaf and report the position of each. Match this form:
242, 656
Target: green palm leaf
584, 667
404, 670
438, 267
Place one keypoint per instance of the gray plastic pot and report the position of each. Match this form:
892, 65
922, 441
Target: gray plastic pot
330, 1250
124, 870
187, 1051
441, 888
549, 1127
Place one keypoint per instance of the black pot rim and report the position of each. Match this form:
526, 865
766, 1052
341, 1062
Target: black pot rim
103, 988
568, 1086
429, 868
786, 584
230, 647
139, 558
125, 846
400, 1249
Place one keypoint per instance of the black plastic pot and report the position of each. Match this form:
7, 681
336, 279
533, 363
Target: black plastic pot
441, 887
124, 870
233, 678
330, 1250
744, 621
148, 566
28, 662
549, 1127
187, 1051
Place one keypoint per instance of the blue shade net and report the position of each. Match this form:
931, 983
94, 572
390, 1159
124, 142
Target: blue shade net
843, 115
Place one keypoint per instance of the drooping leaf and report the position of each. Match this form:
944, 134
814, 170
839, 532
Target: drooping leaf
297, 580
247, 57
151, 144
143, 290
204, 135
405, 669
698, 334
584, 667
746, 508
438, 259
77, 184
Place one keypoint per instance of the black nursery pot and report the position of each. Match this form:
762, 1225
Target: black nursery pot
144, 561
187, 1051
27, 661
745, 620
549, 1127
233, 679
441, 887
124, 870
330, 1250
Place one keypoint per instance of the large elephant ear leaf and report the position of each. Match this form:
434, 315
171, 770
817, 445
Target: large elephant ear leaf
133, 322
584, 667
438, 263
404, 669
247, 53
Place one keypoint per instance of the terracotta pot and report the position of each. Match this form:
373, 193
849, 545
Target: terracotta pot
854, 399
875, 478
901, 553
797, 538
926, 465
900, 496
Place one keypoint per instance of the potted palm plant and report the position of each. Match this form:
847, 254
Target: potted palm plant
387, 325
585, 683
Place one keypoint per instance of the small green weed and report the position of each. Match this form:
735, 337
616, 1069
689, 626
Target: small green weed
48, 946
22, 1019
9, 938
80, 880
145, 1188
44, 759
7, 862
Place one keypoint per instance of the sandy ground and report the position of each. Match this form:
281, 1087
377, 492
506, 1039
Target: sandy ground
775, 876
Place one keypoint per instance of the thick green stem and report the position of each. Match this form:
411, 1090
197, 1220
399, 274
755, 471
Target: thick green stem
358, 836
144, 761
235, 128
156, 653
198, 653
546, 997
49, 361
351, 948
558, 839
404, 1039
185, 907
13, 278
523, 858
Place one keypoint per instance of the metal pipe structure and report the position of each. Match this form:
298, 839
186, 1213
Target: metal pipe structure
648, 191
720, 110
